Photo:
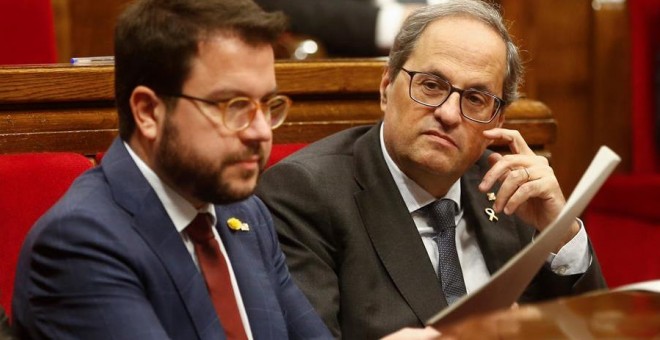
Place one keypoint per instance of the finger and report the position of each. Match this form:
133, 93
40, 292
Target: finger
511, 184
501, 169
491, 175
512, 138
494, 158
532, 189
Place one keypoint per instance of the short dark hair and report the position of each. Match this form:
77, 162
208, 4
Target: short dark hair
155, 41
486, 12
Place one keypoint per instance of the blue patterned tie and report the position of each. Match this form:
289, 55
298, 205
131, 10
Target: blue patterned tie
442, 214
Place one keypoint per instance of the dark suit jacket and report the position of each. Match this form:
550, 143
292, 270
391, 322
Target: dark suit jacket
106, 262
344, 27
354, 250
5, 331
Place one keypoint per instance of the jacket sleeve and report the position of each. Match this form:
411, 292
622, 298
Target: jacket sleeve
301, 319
76, 283
305, 235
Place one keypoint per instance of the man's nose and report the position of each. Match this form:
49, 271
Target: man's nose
259, 128
449, 113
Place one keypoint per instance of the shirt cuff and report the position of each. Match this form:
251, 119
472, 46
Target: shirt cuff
388, 23
574, 257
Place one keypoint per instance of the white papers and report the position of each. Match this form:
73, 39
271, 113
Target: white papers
647, 286
508, 283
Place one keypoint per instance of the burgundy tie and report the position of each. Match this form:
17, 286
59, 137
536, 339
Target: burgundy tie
216, 274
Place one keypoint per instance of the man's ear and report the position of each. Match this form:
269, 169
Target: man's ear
384, 86
148, 111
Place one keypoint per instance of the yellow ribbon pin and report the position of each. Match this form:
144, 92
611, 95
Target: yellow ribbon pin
236, 224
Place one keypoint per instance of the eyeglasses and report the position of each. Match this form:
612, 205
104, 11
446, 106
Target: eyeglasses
239, 112
433, 91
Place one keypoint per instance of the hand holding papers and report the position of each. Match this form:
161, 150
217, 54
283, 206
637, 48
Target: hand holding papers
507, 284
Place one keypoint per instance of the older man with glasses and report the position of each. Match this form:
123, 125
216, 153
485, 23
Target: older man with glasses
384, 226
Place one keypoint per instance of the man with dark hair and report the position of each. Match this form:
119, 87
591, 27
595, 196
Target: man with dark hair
383, 226
164, 240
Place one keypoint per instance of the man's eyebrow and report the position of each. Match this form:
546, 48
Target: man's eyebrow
437, 73
480, 87
231, 93
272, 93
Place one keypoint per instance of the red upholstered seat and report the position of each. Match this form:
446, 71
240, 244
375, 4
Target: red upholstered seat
623, 220
27, 32
280, 151
29, 185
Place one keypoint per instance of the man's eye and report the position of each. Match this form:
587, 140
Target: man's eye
475, 99
431, 85
239, 104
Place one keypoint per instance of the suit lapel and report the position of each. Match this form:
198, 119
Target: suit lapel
392, 231
243, 250
133, 192
157, 230
498, 240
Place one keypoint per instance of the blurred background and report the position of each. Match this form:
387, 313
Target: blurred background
577, 53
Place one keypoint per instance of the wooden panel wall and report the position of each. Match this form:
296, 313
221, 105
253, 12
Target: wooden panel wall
576, 55
577, 63
612, 90
69, 108
85, 28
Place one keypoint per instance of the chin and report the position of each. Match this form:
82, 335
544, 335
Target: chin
244, 187
240, 194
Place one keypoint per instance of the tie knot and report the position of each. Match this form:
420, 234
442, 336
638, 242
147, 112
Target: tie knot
199, 230
442, 214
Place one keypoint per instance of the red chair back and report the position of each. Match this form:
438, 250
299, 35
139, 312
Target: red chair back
27, 33
29, 185
280, 151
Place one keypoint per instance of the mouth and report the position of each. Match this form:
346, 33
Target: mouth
441, 138
249, 161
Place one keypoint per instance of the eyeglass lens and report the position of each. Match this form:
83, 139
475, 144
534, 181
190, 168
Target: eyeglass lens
431, 90
240, 112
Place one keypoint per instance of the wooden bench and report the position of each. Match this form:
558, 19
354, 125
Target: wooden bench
71, 108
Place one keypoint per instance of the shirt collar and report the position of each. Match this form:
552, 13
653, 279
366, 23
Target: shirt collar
414, 195
180, 211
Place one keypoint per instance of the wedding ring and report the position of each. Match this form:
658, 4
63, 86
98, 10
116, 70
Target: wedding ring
527, 172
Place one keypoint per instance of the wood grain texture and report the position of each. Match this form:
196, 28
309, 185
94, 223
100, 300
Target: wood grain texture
71, 108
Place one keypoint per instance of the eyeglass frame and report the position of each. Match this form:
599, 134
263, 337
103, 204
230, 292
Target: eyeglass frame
501, 102
222, 105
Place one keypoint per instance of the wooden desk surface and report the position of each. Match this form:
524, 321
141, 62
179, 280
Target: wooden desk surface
71, 108
600, 315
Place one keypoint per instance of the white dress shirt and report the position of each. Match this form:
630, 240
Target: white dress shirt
390, 18
573, 258
182, 212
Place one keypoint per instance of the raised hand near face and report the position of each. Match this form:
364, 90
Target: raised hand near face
529, 187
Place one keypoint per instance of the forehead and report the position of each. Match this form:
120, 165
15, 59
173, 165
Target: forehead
465, 50
227, 62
